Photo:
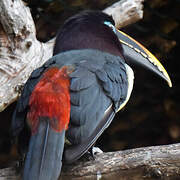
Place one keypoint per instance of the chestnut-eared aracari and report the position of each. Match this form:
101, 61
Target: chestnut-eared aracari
75, 95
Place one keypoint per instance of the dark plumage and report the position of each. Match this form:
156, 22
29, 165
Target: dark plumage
86, 30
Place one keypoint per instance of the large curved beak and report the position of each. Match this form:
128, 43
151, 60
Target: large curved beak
135, 53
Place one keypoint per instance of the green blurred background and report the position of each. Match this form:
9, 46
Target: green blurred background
152, 116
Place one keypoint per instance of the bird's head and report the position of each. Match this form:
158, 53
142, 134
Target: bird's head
88, 30
96, 30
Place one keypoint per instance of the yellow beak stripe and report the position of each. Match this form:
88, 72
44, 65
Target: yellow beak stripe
148, 55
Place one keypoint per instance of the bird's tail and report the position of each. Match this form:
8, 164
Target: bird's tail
43, 161
48, 117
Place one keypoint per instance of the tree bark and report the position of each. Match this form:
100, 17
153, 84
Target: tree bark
156, 162
126, 12
21, 52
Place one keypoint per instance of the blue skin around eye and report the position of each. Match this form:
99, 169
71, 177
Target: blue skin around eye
110, 25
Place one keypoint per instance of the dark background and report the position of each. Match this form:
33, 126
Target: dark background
152, 115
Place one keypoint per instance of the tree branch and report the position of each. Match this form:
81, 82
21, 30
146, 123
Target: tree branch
126, 12
156, 162
160, 162
21, 52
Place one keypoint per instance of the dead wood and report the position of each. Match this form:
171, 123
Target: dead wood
156, 162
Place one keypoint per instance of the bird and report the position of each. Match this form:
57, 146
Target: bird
67, 103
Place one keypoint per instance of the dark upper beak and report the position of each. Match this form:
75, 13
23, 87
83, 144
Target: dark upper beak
135, 53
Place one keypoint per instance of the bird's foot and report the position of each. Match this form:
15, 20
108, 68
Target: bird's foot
92, 152
20, 163
96, 150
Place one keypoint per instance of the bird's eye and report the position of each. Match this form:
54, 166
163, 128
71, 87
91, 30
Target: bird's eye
110, 25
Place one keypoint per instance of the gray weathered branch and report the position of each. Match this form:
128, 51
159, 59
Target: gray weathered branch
126, 12
156, 162
21, 52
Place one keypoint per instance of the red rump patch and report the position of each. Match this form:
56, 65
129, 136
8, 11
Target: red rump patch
51, 98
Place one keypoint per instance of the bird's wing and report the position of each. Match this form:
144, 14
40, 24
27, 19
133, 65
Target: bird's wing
97, 90
98, 87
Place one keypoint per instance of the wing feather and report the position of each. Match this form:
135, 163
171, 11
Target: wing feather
98, 88
107, 84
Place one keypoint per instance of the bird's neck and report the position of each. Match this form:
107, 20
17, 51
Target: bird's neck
87, 40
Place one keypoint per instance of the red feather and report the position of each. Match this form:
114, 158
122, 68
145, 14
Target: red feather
51, 98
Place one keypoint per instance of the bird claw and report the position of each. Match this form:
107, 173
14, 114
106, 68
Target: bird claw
20, 163
92, 152
96, 150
